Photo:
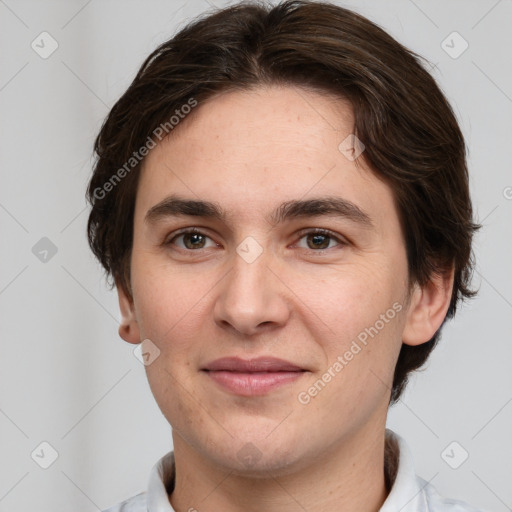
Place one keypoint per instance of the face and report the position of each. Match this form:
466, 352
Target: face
299, 256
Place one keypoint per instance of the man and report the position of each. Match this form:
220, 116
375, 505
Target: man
281, 197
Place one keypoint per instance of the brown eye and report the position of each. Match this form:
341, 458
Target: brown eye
191, 240
320, 239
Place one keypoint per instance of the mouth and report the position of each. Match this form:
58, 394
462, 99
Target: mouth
253, 377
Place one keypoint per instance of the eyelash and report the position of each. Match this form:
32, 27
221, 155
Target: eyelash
316, 231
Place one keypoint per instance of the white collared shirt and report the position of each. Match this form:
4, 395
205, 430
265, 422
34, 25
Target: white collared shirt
409, 492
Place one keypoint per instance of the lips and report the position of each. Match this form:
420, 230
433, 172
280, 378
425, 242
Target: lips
260, 364
254, 377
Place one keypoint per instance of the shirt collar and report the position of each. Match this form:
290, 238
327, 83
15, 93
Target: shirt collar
406, 493
161, 480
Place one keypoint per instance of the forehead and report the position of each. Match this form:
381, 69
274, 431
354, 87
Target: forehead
253, 149
290, 122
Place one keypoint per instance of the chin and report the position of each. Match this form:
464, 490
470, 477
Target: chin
260, 455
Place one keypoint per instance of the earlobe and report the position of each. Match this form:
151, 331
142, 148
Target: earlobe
129, 327
427, 309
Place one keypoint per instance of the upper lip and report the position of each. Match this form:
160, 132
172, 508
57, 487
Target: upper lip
260, 364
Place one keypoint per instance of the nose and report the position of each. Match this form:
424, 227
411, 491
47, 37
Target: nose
252, 297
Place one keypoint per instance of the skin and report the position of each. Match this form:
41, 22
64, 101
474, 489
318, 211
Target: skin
249, 152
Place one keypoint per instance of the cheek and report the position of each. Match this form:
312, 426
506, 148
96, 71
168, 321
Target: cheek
364, 311
178, 407
346, 301
168, 301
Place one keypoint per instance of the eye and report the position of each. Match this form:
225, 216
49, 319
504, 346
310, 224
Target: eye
192, 239
317, 240
320, 239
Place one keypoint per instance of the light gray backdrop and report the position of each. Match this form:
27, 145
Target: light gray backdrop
67, 379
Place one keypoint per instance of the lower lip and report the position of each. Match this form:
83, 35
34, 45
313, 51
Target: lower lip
253, 384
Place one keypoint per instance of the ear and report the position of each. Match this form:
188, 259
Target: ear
128, 328
427, 309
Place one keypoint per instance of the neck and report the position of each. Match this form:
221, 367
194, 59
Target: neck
347, 476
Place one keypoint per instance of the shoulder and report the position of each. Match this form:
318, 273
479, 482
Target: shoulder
137, 503
437, 503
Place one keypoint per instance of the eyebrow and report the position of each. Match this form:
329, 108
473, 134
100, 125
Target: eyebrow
176, 206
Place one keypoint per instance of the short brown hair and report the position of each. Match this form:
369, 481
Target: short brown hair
411, 136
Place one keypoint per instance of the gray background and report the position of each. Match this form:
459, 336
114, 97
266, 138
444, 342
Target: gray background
66, 376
